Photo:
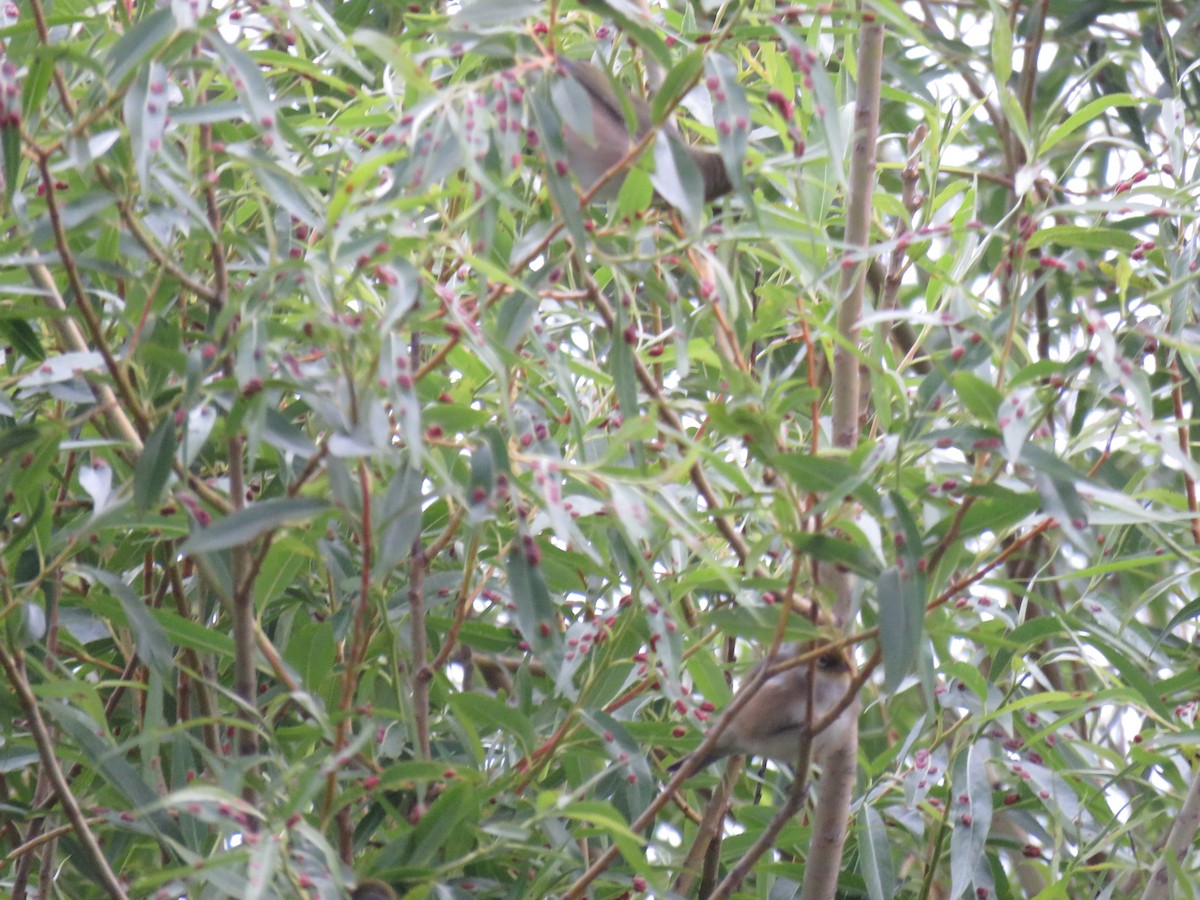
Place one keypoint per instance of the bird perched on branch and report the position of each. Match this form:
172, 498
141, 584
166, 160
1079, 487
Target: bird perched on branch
774, 720
590, 156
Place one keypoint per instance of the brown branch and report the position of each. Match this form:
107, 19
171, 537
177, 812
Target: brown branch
831, 814
14, 668
1170, 860
352, 663
83, 302
1029, 69
208, 706
73, 339
887, 285
708, 834
462, 607
242, 603
32, 843
858, 235
796, 795
213, 208
837, 782
422, 674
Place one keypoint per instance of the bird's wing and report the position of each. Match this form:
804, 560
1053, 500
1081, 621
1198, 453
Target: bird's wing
603, 94
778, 706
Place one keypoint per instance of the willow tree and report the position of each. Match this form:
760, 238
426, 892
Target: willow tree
381, 502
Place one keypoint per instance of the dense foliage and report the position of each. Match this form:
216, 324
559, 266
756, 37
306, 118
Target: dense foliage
372, 507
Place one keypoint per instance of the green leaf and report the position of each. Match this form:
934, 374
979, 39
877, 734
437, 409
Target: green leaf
731, 112
106, 758
562, 191
636, 194
279, 570
624, 374
256, 519
875, 854
1132, 675
400, 515
10, 155
311, 653
678, 80
610, 823
900, 625
536, 613
178, 631
16, 438
457, 806
1014, 116
155, 465
633, 23
480, 14
252, 87
146, 108
823, 474
677, 179
981, 399
18, 332
153, 646
970, 816
841, 551
25, 625
1002, 44
1081, 117
1084, 237
1062, 501
709, 679
487, 714
994, 508
1027, 636
138, 43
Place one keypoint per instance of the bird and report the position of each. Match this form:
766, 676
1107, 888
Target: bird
590, 156
773, 721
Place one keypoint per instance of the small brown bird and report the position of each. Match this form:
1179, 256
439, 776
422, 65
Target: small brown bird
773, 721
590, 156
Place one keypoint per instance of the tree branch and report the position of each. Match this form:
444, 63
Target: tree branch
14, 668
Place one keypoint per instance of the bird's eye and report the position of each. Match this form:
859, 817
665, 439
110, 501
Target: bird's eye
831, 662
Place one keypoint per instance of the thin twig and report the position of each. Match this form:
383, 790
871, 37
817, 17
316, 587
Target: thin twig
14, 668
422, 674
1183, 832
796, 795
